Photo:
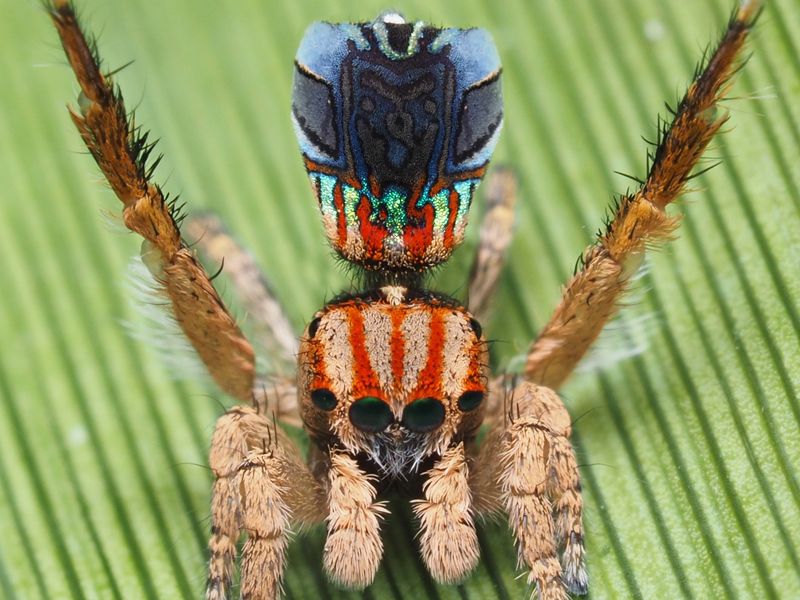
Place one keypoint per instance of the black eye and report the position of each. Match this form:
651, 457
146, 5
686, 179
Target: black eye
423, 415
314, 325
470, 400
312, 106
476, 328
481, 115
324, 399
370, 414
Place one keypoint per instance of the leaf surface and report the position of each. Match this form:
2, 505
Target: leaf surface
689, 450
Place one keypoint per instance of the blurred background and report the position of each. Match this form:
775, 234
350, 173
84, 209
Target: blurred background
689, 447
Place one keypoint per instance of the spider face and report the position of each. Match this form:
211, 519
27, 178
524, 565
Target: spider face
394, 375
396, 122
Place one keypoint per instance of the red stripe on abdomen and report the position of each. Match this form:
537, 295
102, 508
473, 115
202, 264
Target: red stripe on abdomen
453, 202
373, 234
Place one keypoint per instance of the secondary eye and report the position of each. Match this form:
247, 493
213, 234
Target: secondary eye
423, 415
314, 325
324, 399
370, 414
469, 401
476, 328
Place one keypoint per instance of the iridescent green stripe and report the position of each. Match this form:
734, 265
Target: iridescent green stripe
464, 190
394, 202
325, 184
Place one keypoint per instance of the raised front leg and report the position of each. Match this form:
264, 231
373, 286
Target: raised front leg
639, 221
527, 469
121, 151
262, 487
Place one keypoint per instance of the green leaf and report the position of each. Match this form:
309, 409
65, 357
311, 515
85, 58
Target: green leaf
690, 450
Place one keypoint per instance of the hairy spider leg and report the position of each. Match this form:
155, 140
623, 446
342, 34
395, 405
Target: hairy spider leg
121, 151
447, 536
496, 232
536, 480
526, 468
640, 221
274, 390
273, 333
263, 487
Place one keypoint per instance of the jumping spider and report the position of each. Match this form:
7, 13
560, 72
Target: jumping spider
396, 122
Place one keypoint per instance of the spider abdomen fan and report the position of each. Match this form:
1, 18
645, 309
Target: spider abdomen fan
396, 122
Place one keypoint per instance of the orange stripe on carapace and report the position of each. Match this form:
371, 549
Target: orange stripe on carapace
365, 380
430, 379
320, 378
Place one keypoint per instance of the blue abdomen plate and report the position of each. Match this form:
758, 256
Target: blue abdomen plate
396, 122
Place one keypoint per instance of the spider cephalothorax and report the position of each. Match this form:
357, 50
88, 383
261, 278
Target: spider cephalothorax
396, 122
393, 374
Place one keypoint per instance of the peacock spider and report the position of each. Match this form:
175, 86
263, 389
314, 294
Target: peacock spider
396, 122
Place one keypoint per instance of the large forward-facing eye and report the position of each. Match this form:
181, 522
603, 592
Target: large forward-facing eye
423, 415
370, 414
313, 109
481, 115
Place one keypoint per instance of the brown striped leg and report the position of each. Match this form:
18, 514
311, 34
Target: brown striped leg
497, 230
527, 469
448, 539
591, 297
273, 333
354, 548
121, 151
274, 392
262, 486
